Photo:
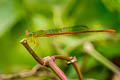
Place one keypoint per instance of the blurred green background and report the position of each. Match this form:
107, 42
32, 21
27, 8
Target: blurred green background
17, 16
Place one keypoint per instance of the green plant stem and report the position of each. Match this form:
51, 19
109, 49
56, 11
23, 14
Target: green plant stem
89, 48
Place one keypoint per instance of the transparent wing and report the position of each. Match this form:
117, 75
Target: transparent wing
67, 29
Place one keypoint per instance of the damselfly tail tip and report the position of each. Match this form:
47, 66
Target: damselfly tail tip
110, 30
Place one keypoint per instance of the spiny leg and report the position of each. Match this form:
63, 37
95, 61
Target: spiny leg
35, 42
31, 39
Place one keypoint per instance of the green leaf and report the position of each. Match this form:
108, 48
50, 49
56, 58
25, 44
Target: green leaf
8, 15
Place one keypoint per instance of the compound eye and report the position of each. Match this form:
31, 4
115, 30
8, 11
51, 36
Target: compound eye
30, 34
27, 33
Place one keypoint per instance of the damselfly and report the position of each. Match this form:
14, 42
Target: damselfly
61, 31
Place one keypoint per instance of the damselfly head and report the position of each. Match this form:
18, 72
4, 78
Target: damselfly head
29, 33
